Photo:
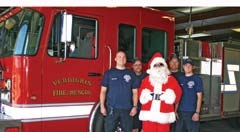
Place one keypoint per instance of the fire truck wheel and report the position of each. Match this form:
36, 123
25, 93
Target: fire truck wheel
98, 122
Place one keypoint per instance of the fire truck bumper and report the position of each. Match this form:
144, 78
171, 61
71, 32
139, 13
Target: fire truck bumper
8, 122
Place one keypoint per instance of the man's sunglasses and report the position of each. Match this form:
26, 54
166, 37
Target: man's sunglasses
158, 65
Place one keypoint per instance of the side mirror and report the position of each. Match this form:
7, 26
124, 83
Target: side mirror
66, 32
66, 29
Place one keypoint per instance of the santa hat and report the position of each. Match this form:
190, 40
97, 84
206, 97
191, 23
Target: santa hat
156, 58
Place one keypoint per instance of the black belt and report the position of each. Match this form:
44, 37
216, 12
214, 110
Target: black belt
156, 96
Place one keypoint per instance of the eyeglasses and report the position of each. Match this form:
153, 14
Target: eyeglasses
158, 65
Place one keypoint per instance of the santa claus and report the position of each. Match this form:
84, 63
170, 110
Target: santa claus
158, 94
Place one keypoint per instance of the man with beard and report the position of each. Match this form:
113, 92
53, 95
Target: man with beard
174, 66
174, 69
158, 93
138, 70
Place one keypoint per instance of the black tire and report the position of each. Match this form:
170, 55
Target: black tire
98, 122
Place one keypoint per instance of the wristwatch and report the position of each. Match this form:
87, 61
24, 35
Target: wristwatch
135, 107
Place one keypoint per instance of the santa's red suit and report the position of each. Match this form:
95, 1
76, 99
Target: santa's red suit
158, 93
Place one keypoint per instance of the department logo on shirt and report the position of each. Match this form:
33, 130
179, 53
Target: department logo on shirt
114, 78
127, 78
190, 84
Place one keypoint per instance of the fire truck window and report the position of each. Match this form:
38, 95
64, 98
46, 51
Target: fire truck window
83, 45
20, 33
153, 40
20, 39
55, 47
2, 33
127, 40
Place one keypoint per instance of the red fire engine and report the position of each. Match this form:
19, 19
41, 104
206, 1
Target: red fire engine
52, 60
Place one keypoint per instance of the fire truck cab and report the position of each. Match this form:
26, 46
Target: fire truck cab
52, 60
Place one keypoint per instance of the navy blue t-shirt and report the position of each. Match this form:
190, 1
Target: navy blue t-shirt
140, 78
190, 87
119, 85
177, 75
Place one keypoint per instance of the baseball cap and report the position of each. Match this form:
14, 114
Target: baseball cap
188, 61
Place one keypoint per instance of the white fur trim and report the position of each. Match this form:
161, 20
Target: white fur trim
169, 96
156, 105
158, 117
158, 60
148, 71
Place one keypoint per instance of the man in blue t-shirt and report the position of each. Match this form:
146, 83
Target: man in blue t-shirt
138, 70
190, 103
174, 69
118, 95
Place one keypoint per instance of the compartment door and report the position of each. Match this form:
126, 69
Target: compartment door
231, 87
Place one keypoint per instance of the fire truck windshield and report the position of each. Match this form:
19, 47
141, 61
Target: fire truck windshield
20, 33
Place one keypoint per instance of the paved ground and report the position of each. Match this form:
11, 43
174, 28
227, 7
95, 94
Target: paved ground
227, 125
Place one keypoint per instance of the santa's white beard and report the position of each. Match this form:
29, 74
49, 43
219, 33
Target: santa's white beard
158, 76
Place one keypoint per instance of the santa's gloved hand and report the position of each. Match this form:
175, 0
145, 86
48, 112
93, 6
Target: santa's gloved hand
168, 96
145, 96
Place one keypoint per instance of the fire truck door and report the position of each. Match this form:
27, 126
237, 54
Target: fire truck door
231, 86
71, 86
